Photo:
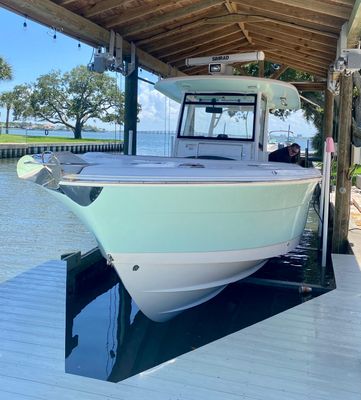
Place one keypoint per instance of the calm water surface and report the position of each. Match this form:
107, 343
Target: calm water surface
109, 338
34, 226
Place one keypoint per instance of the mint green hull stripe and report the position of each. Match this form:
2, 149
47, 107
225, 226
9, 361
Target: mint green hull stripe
195, 218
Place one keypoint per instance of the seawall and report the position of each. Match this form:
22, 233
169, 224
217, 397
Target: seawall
17, 150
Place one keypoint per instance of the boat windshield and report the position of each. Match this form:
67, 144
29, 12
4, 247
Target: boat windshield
218, 116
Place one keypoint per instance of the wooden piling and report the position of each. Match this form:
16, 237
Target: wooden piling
131, 109
343, 185
328, 115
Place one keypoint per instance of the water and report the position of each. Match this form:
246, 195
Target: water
109, 338
34, 226
148, 143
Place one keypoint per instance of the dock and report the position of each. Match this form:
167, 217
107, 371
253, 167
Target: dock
311, 351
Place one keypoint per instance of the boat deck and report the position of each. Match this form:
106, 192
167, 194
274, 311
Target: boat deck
310, 351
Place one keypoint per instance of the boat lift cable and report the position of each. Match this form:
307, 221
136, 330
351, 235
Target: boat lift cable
146, 80
310, 102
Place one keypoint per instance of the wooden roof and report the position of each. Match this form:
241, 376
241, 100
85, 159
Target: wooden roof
300, 34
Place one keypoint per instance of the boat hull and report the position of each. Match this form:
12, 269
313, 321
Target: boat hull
177, 245
163, 285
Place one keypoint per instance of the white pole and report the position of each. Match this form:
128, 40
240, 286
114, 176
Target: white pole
130, 143
330, 148
171, 152
322, 196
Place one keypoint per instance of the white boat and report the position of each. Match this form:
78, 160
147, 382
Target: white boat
179, 229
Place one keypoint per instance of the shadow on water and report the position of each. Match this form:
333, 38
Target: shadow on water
108, 337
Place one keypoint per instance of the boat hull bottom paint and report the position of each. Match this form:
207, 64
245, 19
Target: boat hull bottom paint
164, 285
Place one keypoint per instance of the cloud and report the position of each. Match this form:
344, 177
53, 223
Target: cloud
296, 122
158, 112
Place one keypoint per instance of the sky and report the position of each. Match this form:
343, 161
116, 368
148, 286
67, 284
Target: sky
33, 52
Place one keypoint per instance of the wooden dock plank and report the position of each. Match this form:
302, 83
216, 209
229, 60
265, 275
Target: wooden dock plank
311, 351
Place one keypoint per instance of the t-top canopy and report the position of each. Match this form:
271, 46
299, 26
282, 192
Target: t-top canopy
279, 94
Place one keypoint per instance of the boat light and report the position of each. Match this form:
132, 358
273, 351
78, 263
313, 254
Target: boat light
283, 101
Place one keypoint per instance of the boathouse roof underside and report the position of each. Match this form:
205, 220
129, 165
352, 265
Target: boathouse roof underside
298, 34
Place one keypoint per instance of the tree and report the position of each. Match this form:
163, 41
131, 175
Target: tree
14, 100
7, 100
6, 72
73, 98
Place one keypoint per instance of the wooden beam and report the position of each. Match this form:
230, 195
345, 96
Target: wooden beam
296, 40
201, 51
297, 65
239, 17
301, 17
319, 56
175, 31
195, 43
101, 7
328, 114
313, 6
283, 68
261, 69
130, 111
180, 12
343, 182
221, 48
65, 2
329, 43
233, 18
50, 14
136, 12
233, 8
310, 86
181, 41
354, 26
294, 53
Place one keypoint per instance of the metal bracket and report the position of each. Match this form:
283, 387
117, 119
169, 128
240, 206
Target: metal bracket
112, 58
130, 67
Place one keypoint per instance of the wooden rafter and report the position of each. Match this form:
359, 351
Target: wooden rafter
354, 26
234, 18
293, 47
296, 64
136, 13
283, 68
181, 12
175, 31
232, 8
180, 41
65, 2
294, 39
101, 7
220, 48
290, 15
314, 6
81, 28
197, 41
329, 42
310, 86
301, 34
296, 56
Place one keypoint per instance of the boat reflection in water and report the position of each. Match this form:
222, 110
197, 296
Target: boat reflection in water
108, 337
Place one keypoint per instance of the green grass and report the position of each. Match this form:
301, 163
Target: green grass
8, 138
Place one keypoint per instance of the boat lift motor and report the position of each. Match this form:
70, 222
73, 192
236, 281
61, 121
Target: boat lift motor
112, 59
